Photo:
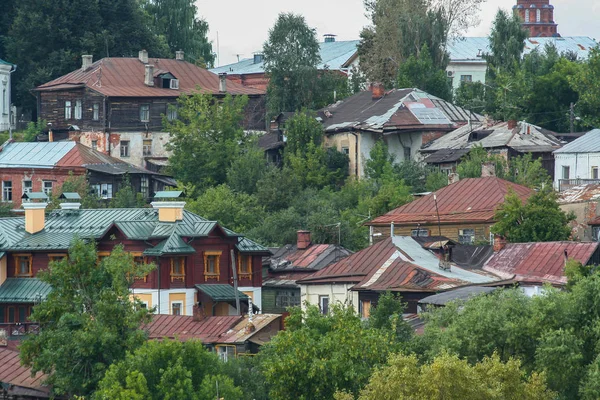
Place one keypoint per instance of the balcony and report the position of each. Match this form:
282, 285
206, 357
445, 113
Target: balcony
566, 184
15, 330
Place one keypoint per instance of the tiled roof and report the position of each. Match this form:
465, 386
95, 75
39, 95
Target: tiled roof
335, 56
397, 109
221, 292
124, 77
538, 262
398, 263
468, 200
13, 373
588, 143
23, 290
524, 138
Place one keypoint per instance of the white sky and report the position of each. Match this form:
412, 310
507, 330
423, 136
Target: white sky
243, 25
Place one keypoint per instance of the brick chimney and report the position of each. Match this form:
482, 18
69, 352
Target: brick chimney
35, 213
488, 169
512, 124
143, 56
223, 82
168, 209
179, 55
303, 240
377, 90
453, 177
499, 243
86, 62
149, 75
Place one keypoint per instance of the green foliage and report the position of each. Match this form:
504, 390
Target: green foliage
318, 355
420, 72
277, 188
247, 169
507, 41
76, 184
436, 180
387, 315
34, 128
471, 96
6, 210
206, 138
470, 166
126, 197
291, 58
302, 130
88, 321
586, 84
380, 161
540, 219
575, 271
168, 369
527, 171
332, 86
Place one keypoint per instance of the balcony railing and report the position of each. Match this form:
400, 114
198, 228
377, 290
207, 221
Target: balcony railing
16, 329
566, 184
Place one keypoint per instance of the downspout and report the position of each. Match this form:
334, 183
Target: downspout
158, 271
355, 154
106, 134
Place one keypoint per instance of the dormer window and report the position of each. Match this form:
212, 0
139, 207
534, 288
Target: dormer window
168, 81
174, 83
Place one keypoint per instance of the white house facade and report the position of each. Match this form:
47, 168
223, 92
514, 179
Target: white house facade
5, 99
578, 162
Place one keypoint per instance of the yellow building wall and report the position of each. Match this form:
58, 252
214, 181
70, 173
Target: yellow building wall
146, 298
222, 309
3, 269
250, 294
177, 297
344, 140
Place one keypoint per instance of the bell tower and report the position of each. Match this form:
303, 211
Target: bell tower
537, 17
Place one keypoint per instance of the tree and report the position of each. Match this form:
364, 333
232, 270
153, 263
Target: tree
387, 315
470, 166
448, 377
507, 41
76, 184
168, 369
178, 22
318, 355
247, 169
332, 86
587, 85
88, 321
126, 197
471, 96
540, 219
206, 138
460, 15
527, 171
301, 130
419, 72
291, 58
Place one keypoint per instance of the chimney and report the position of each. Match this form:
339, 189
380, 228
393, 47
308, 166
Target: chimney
169, 210
35, 217
86, 62
72, 201
149, 75
499, 243
223, 82
453, 177
303, 240
377, 90
197, 313
566, 257
179, 55
488, 169
329, 38
512, 124
143, 56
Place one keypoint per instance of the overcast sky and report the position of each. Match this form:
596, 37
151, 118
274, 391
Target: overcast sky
243, 25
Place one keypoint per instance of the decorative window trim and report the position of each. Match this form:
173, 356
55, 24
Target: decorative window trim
248, 273
144, 260
181, 276
182, 311
101, 255
212, 275
17, 264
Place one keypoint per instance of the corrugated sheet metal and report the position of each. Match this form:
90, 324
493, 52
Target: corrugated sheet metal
220, 292
34, 155
578, 194
246, 245
13, 373
588, 143
174, 244
23, 290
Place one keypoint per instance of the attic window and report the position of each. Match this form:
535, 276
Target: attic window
174, 83
479, 135
169, 81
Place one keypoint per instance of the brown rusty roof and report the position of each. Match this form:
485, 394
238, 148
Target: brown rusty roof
580, 194
124, 77
83, 156
538, 262
13, 373
468, 200
315, 257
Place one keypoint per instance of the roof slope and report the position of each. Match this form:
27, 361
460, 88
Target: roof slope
397, 109
397, 263
468, 200
524, 138
124, 77
588, 143
13, 373
23, 290
538, 262
313, 258
335, 56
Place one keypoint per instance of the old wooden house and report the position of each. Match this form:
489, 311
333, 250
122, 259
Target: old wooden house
117, 105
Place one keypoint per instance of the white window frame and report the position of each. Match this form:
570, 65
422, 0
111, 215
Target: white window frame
180, 307
567, 169
420, 232
47, 190
526, 15
538, 15
321, 304
596, 233
145, 112
171, 113
466, 78
146, 149
94, 144
122, 145
595, 172
96, 112
5, 193
27, 190
145, 188
174, 83
68, 110
78, 109
461, 233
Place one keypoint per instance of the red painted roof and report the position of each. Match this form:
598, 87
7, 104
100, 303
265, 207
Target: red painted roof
468, 200
12, 372
538, 262
124, 77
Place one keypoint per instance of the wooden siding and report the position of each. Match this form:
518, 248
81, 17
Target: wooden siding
482, 231
52, 108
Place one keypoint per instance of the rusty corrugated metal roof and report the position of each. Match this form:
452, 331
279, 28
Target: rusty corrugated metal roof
124, 77
13, 373
580, 194
315, 257
538, 262
471, 199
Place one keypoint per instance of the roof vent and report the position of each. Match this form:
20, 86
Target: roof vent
72, 201
179, 55
329, 38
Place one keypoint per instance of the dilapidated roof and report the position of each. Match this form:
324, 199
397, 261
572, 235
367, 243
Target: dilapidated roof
580, 194
398, 109
313, 258
542, 262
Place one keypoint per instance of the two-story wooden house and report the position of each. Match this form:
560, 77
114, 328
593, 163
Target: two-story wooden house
194, 257
117, 105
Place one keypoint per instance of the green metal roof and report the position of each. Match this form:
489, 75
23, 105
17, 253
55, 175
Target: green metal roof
246, 245
70, 196
173, 245
5, 62
168, 194
35, 196
23, 290
220, 292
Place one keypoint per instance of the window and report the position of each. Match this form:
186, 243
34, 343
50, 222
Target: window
419, 233
174, 84
171, 112
526, 15
245, 266
566, 172
324, 304
538, 15
23, 265
466, 78
22, 314
56, 257
7, 191
47, 187
287, 298
147, 147
176, 308
211, 264
594, 172
103, 190
124, 148
67, 110
94, 145
177, 269
27, 186
226, 352
407, 153
145, 113
11, 314
365, 308
144, 186
466, 236
78, 109
346, 150
96, 112
596, 233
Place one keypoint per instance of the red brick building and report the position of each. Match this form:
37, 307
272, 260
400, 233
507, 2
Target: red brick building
538, 17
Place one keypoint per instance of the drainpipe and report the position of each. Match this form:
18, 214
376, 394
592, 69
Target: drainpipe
13, 69
355, 154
